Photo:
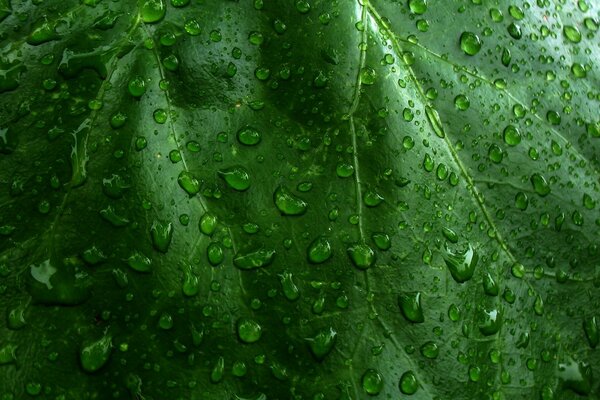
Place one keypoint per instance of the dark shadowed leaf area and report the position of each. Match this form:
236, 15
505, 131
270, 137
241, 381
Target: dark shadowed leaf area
299, 199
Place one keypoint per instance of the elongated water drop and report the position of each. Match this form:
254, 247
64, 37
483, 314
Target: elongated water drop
461, 263
288, 203
410, 305
161, 233
95, 355
236, 177
362, 255
253, 259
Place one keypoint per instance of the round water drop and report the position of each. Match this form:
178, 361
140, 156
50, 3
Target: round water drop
137, 86
152, 11
512, 136
572, 33
521, 201
288, 203
208, 223
95, 355
368, 76
322, 343
430, 350
160, 116
344, 170
248, 330
248, 136
372, 382
578, 70
362, 255
540, 185
381, 240
410, 305
215, 254
237, 177
418, 7
496, 15
495, 153
462, 102
489, 321
319, 250
470, 43
408, 383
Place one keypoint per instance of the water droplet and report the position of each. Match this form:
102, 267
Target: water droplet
434, 119
139, 262
288, 203
208, 223
470, 43
322, 343
553, 117
8, 353
95, 355
362, 255
430, 350
408, 383
410, 305
254, 259
514, 31
248, 330
372, 382
540, 185
461, 263
58, 284
152, 11
572, 33
462, 102
43, 30
188, 182
93, 256
490, 287
215, 253
489, 321
368, 76
16, 317
137, 86
319, 250
237, 177
590, 327
381, 240
576, 376
344, 170
418, 7
249, 136
161, 233
506, 57
218, 371
290, 290
191, 284
512, 136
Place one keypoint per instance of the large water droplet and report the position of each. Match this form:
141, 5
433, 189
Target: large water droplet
153, 11
470, 43
95, 355
288, 203
236, 177
161, 233
249, 331
461, 263
410, 305
322, 343
319, 250
362, 255
372, 382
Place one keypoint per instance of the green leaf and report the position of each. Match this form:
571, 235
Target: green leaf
299, 199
